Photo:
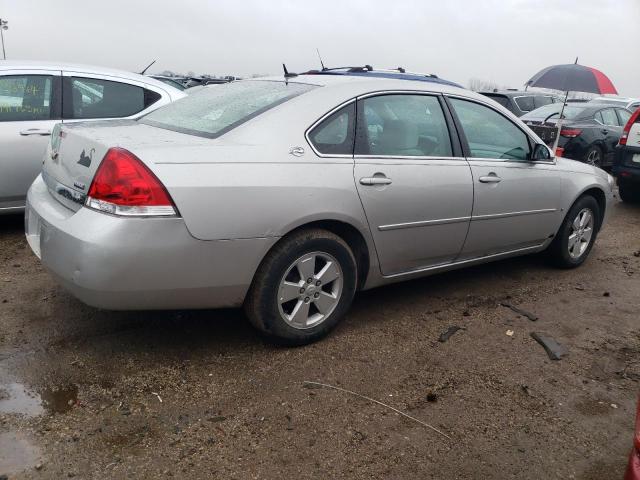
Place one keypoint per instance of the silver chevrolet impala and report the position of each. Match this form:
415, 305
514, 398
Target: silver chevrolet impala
287, 195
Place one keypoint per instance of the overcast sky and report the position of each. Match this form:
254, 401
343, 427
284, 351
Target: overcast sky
503, 41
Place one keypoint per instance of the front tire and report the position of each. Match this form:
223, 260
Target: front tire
303, 287
577, 234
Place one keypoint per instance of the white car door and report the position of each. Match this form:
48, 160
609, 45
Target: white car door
30, 105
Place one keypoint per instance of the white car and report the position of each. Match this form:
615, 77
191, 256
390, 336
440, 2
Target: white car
36, 96
631, 104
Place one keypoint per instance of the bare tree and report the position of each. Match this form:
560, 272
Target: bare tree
478, 85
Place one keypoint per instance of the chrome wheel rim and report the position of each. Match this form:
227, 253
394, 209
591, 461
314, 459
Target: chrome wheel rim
310, 290
581, 233
593, 158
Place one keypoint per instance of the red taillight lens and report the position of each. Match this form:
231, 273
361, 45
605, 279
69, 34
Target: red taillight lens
570, 132
627, 128
123, 185
559, 151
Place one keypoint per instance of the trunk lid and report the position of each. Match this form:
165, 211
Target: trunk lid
77, 149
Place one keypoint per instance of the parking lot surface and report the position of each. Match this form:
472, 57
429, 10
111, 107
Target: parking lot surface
94, 394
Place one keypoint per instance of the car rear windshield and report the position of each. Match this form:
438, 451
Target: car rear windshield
215, 110
541, 113
501, 99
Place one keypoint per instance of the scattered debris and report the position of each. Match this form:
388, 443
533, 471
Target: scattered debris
432, 397
466, 313
554, 349
159, 397
579, 287
636, 254
613, 405
324, 385
509, 333
519, 311
450, 331
606, 294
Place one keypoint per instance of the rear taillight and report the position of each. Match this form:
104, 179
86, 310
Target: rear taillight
559, 151
570, 132
627, 128
123, 185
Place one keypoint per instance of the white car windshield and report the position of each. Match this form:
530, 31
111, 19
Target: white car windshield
217, 109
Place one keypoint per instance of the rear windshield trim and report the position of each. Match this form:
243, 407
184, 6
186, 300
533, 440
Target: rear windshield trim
228, 128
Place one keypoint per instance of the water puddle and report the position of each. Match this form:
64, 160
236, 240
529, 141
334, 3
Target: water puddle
17, 398
17, 453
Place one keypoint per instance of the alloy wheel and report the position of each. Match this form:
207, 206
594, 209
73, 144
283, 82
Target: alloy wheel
310, 290
593, 158
581, 233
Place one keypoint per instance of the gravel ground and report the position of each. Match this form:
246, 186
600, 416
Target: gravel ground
92, 394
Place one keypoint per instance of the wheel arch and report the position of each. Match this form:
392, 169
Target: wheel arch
598, 194
361, 245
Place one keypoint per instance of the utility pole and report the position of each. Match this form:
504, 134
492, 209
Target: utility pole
3, 26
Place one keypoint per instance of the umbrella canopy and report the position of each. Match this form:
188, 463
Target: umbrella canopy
573, 77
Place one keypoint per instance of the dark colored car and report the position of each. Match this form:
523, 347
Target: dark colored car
520, 102
590, 131
633, 467
169, 81
627, 162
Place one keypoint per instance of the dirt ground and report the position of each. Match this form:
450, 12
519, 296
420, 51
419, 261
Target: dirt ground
94, 394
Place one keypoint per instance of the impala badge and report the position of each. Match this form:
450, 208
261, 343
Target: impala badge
85, 160
297, 151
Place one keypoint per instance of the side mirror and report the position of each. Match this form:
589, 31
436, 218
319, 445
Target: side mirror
540, 152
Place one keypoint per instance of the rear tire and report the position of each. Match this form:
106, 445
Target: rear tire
303, 287
594, 156
577, 234
628, 195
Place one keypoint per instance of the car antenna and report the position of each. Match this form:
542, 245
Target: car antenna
147, 68
321, 62
287, 74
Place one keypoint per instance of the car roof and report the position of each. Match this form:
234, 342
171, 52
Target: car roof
80, 68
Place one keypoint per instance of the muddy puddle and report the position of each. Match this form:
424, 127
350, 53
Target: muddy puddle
17, 453
16, 398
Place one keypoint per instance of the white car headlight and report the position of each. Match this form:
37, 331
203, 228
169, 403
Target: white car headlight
612, 182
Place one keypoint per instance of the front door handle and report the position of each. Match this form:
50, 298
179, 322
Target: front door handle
375, 181
491, 178
35, 131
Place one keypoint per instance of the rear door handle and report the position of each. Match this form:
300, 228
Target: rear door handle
35, 131
491, 178
375, 181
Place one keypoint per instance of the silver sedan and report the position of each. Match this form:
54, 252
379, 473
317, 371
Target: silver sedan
288, 195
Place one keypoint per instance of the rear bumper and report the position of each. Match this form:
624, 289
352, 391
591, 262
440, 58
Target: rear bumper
138, 263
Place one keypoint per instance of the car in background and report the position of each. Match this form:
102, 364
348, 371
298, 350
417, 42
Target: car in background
286, 195
35, 96
520, 102
631, 104
627, 162
169, 81
590, 131
633, 467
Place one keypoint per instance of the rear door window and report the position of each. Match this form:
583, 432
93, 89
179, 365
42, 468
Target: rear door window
97, 98
542, 100
26, 97
623, 115
490, 134
608, 117
402, 126
335, 134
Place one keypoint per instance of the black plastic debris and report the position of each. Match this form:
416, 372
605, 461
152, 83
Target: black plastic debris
554, 349
450, 331
519, 311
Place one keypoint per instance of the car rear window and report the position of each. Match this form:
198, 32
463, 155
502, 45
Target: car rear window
215, 110
501, 99
570, 112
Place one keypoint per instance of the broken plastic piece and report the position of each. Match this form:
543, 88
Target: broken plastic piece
519, 311
450, 331
554, 349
